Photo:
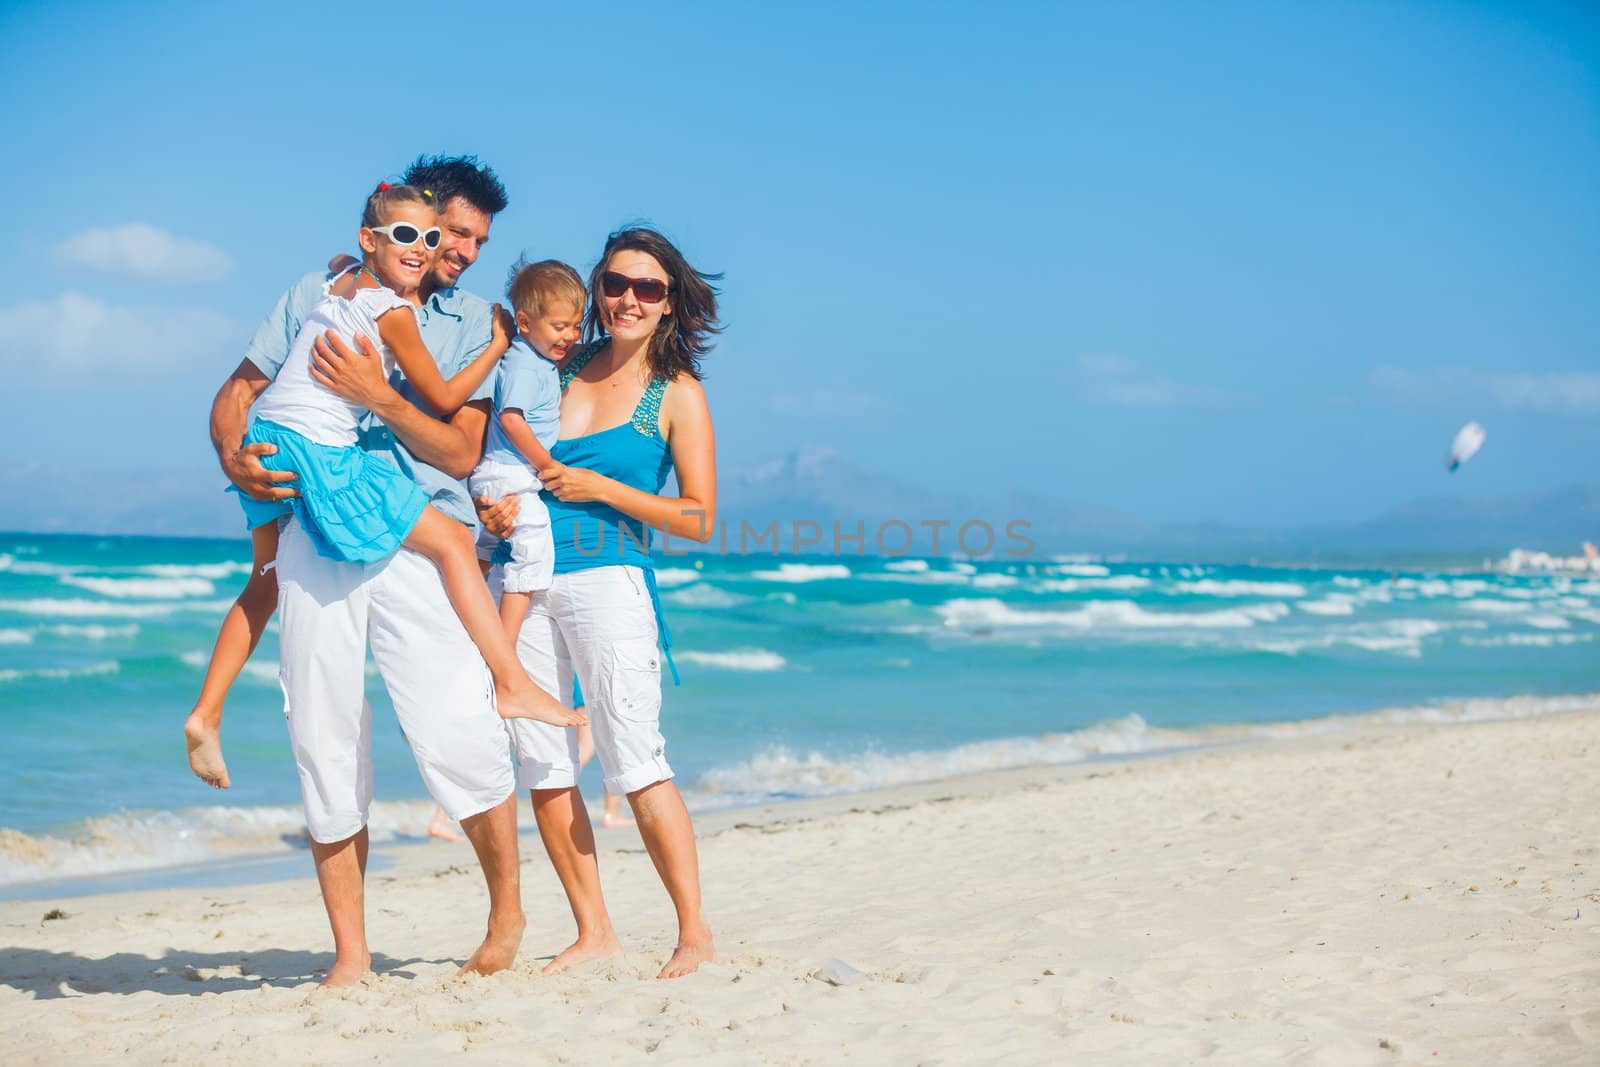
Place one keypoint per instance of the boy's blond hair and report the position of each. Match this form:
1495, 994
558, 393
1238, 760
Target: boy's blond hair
536, 287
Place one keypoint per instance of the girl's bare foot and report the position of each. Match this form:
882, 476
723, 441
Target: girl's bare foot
690, 954
531, 702
204, 739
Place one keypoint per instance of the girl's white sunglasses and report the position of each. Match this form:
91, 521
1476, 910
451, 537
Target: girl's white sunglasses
405, 235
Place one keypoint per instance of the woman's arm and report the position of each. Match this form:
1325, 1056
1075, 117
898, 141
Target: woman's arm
686, 423
445, 397
519, 433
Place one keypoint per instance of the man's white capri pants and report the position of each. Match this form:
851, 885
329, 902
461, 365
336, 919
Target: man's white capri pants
328, 613
600, 624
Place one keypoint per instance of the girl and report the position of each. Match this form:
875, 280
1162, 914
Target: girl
353, 507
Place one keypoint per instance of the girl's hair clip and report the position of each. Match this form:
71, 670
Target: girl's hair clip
428, 193
383, 187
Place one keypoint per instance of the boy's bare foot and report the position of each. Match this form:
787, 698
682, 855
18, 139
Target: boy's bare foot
345, 972
690, 954
588, 947
531, 702
441, 826
499, 948
205, 751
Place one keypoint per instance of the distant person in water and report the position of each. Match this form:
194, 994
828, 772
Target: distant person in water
611, 816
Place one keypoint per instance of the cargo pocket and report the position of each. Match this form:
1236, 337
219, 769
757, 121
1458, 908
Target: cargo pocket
636, 680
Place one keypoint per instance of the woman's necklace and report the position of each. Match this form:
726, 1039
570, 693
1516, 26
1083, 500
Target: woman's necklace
614, 375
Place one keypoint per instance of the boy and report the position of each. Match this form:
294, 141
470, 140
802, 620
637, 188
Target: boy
548, 299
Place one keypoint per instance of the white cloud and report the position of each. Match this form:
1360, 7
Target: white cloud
144, 252
1113, 379
1554, 393
75, 332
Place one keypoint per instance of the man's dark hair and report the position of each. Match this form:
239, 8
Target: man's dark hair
447, 177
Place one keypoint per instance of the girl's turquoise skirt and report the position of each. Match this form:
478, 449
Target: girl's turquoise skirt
355, 508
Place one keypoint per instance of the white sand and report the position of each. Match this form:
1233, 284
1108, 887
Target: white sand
1386, 896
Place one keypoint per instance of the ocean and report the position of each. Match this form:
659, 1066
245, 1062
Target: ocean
801, 677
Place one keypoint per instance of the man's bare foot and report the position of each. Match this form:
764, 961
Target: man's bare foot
346, 972
441, 826
499, 948
531, 702
585, 949
205, 751
690, 954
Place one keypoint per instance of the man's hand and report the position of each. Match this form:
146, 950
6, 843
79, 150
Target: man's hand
498, 516
351, 375
243, 468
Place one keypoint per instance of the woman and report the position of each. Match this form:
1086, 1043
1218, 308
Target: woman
632, 411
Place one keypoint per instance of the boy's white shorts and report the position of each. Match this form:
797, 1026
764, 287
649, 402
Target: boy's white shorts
328, 614
533, 551
600, 623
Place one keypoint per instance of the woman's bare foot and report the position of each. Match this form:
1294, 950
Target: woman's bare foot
588, 947
204, 739
441, 826
499, 948
531, 702
346, 972
690, 954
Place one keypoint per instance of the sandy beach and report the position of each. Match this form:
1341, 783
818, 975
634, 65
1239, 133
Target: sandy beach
1385, 895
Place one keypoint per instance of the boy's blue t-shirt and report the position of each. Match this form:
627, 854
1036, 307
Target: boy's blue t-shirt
528, 383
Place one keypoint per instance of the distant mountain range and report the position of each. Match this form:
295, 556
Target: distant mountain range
798, 502
825, 487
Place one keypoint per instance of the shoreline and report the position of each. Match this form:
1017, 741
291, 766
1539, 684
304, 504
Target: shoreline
1376, 896
253, 868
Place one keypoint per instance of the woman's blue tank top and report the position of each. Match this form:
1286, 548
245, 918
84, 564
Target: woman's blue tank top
593, 534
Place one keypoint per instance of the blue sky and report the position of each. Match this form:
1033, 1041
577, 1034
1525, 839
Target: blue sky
1243, 262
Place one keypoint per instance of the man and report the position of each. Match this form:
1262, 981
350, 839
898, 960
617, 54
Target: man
329, 612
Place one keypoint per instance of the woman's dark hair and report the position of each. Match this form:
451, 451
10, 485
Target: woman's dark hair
448, 177
682, 337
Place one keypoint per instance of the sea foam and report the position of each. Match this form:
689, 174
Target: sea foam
781, 772
743, 659
135, 841
143, 588
1236, 588
803, 572
60, 674
1109, 614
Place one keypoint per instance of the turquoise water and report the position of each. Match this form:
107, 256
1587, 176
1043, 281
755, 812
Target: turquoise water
800, 677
